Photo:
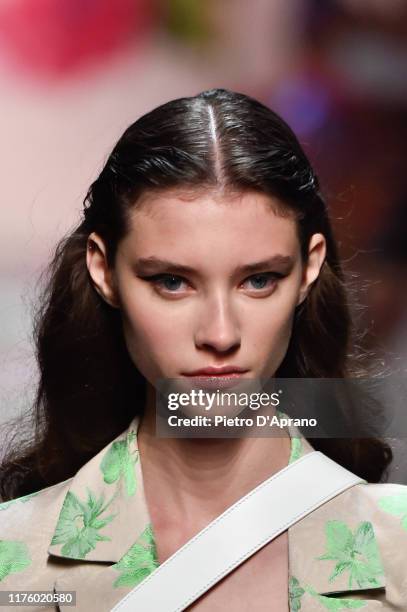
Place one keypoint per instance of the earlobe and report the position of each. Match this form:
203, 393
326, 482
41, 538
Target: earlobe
316, 258
99, 271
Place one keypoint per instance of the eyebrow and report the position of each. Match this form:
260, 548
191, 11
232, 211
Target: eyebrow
153, 265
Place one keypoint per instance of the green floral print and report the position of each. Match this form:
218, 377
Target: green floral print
79, 524
14, 557
396, 505
138, 562
296, 591
355, 552
119, 462
295, 443
296, 449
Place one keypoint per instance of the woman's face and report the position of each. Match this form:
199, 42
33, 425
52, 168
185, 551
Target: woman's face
206, 281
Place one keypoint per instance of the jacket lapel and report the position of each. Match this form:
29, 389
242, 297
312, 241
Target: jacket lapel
334, 553
100, 587
103, 539
104, 510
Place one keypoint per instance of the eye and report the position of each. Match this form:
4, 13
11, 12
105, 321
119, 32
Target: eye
170, 283
263, 280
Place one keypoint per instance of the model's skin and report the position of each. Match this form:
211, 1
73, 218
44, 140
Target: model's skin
214, 314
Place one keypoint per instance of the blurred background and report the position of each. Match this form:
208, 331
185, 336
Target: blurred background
75, 73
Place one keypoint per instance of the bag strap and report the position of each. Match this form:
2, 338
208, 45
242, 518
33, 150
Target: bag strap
239, 532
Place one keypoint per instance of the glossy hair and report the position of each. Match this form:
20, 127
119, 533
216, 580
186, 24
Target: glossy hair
89, 389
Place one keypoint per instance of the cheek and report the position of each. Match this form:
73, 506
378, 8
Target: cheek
274, 345
269, 330
152, 336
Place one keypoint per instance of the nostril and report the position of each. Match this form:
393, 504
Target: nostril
220, 346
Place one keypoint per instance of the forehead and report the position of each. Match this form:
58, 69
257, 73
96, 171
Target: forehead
246, 224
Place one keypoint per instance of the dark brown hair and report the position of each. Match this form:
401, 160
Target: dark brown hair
89, 389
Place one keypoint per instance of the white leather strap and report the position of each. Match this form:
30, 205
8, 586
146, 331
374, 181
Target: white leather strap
240, 531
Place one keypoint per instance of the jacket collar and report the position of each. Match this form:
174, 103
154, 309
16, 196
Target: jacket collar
104, 509
105, 513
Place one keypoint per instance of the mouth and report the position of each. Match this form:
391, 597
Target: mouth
218, 372
216, 378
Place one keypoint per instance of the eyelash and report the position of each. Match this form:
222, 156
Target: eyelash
159, 278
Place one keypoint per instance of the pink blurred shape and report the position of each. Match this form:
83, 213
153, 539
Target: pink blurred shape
57, 37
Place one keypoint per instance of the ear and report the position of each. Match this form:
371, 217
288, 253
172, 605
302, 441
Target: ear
101, 274
316, 257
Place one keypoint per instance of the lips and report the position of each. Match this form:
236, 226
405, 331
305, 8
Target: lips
218, 371
217, 377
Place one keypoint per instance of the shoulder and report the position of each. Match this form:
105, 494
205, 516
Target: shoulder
384, 505
387, 502
376, 491
16, 509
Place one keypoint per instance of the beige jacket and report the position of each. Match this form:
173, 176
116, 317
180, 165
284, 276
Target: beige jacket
92, 534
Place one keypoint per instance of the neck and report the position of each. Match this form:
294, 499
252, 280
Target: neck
201, 477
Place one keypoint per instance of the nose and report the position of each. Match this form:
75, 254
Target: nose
218, 328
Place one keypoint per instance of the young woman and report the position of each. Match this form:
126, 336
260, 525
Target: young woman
205, 249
